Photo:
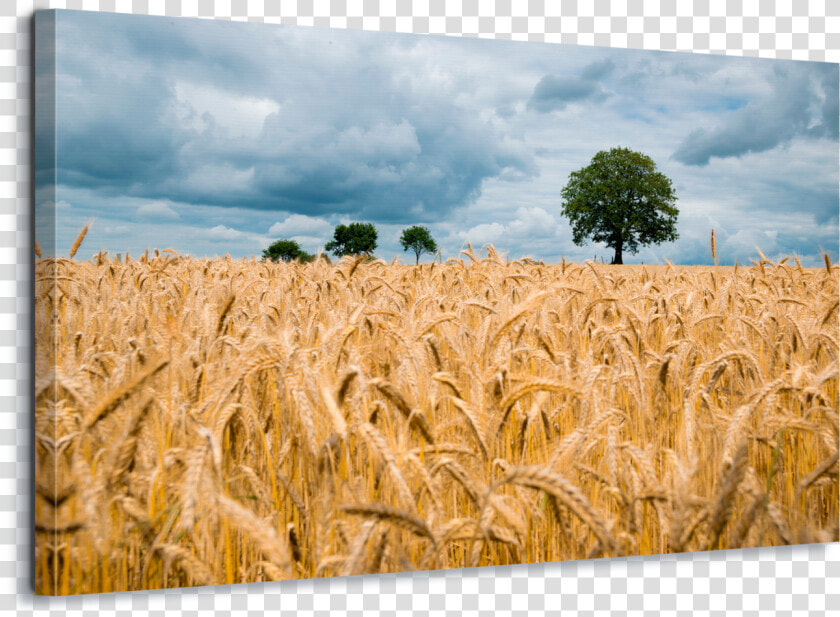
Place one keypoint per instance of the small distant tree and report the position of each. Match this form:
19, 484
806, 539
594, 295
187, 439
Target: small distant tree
353, 239
418, 239
622, 200
286, 250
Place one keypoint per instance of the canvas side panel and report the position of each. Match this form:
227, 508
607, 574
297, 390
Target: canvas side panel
48, 483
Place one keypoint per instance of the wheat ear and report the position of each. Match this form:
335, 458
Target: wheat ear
78, 241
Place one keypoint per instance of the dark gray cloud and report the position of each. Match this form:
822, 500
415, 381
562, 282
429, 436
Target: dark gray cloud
413, 168
598, 70
793, 109
342, 130
829, 126
555, 92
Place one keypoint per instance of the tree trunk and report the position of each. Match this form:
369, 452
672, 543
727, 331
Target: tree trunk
618, 247
417, 259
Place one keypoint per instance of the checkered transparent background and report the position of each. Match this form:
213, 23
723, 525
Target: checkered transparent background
789, 580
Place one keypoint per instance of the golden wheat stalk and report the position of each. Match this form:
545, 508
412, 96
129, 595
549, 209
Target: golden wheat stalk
395, 516
113, 401
78, 242
189, 563
629, 411
714, 247
571, 496
265, 537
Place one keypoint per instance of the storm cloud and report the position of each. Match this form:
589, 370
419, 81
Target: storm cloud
340, 131
803, 103
555, 92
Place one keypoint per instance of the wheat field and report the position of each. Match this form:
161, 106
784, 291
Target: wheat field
218, 421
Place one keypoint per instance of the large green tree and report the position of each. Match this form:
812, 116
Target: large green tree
353, 239
620, 199
418, 239
286, 250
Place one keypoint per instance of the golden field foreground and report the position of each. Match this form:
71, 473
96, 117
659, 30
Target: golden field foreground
218, 421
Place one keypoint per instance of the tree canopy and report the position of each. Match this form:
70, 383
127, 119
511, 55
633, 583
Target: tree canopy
620, 199
418, 239
286, 250
353, 239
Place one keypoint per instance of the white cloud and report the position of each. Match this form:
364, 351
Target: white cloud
485, 233
533, 221
220, 232
201, 106
529, 225
157, 210
300, 224
749, 241
309, 243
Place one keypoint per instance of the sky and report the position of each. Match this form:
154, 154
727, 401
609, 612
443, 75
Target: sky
214, 137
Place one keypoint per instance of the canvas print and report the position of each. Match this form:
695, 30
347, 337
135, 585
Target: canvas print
316, 302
